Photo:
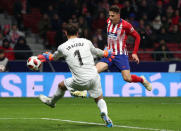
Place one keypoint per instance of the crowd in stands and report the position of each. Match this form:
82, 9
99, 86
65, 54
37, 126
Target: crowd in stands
157, 21
3, 61
13, 42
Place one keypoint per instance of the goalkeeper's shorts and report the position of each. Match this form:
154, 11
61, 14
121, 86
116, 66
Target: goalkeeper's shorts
93, 86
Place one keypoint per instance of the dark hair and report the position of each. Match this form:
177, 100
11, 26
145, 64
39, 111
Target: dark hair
71, 29
21, 38
115, 8
1, 51
5, 40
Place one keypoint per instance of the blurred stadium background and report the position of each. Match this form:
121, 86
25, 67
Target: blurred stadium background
30, 27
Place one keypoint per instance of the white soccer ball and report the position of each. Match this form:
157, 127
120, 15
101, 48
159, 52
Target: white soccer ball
34, 63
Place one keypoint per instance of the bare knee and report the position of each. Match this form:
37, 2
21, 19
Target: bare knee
127, 79
62, 86
126, 75
98, 98
101, 66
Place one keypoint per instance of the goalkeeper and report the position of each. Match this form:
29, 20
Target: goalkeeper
78, 55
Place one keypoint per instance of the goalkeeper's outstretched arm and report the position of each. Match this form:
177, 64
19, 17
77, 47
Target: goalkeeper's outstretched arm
48, 56
100, 53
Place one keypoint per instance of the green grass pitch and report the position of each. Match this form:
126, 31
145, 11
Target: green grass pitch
76, 114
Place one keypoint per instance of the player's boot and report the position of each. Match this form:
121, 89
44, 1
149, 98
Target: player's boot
82, 94
146, 84
106, 119
46, 100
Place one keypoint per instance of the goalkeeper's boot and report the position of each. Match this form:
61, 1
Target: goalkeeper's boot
46, 100
82, 94
146, 84
106, 119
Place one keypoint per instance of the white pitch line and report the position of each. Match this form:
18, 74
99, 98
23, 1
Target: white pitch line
93, 123
20, 118
90, 123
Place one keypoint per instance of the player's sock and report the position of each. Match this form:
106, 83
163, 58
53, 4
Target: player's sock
136, 78
102, 106
58, 94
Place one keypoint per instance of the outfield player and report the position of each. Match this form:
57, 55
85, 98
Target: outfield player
78, 55
118, 31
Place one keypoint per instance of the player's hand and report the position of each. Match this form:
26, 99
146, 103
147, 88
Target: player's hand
47, 56
109, 54
135, 58
41, 58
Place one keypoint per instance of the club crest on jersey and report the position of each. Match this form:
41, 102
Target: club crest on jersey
118, 31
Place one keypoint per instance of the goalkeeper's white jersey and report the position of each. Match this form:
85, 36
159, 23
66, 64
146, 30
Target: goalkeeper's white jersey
78, 55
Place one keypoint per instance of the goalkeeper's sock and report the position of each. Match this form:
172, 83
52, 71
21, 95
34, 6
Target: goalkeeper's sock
136, 78
58, 94
102, 106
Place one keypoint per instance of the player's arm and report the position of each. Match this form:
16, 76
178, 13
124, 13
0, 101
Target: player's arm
47, 56
134, 33
137, 41
131, 31
136, 46
96, 51
100, 53
57, 54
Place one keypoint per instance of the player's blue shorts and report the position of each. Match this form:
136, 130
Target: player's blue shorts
119, 63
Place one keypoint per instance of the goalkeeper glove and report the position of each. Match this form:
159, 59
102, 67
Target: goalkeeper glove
108, 53
47, 56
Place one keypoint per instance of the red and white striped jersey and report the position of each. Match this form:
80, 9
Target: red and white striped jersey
117, 36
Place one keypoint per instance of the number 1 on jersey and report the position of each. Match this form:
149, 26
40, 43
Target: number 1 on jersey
79, 56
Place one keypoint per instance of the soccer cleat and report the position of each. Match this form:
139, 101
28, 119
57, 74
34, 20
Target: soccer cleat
107, 120
146, 84
46, 100
82, 94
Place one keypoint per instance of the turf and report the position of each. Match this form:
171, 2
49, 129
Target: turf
23, 114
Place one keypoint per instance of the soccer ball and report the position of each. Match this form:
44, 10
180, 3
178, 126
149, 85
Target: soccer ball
34, 63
